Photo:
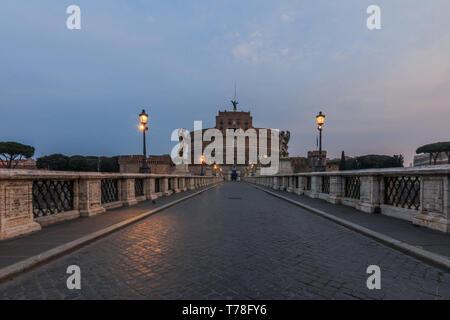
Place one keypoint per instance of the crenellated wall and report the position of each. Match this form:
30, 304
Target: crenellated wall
30, 199
420, 195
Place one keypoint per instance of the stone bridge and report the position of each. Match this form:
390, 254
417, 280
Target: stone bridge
419, 195
297, 236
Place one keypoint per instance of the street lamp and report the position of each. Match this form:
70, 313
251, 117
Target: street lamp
252, 167
142, 126
320, 121
202, 160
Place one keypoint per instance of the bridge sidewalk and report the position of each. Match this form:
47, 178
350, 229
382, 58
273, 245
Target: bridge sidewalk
19, 249
426, 239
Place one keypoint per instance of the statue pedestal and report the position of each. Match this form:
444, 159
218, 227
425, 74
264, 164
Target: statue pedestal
285, 166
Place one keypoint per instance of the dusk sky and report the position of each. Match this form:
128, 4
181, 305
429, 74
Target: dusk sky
80, 91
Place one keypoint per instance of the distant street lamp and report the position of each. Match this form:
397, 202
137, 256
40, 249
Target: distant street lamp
252, 167
142, 126
202, 160
320, 121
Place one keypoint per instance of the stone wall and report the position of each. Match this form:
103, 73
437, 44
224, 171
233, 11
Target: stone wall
31, 199
159, 164
419, 195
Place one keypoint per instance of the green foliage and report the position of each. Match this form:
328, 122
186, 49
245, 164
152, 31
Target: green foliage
435, 147
55, 161
61, 162
109, 164
80, 163
374, 161
12, 152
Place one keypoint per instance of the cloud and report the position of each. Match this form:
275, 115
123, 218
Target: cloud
337, 56
250, 49
242, 50
264, 48
286, 18
393, 100
245, 51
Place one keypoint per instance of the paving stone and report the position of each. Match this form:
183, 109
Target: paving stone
211, 247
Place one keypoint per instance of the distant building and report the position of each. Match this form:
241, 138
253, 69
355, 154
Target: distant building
423, 159
21, 164
313, 158
308, 164
231, 120
157, 163
300, 164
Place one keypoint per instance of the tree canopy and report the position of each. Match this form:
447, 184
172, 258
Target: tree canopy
62, 162
374, 161
55, 161
12, 152
434, 149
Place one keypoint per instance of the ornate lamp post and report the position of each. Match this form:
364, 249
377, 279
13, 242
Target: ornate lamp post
202, 160
142, 126
320, 121
252, 167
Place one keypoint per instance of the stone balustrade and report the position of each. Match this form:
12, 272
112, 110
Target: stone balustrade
30, 199
420, 194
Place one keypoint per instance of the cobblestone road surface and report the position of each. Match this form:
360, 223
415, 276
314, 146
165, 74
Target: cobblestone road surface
233, 242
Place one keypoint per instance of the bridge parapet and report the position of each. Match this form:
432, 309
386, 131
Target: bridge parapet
30, 199
420, 195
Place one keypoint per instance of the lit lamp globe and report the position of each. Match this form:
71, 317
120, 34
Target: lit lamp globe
143, 117
320, 120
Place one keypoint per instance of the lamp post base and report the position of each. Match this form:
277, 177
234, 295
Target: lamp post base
144, 170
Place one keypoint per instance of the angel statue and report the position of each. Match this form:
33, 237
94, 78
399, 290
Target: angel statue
284, 140
234, 103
